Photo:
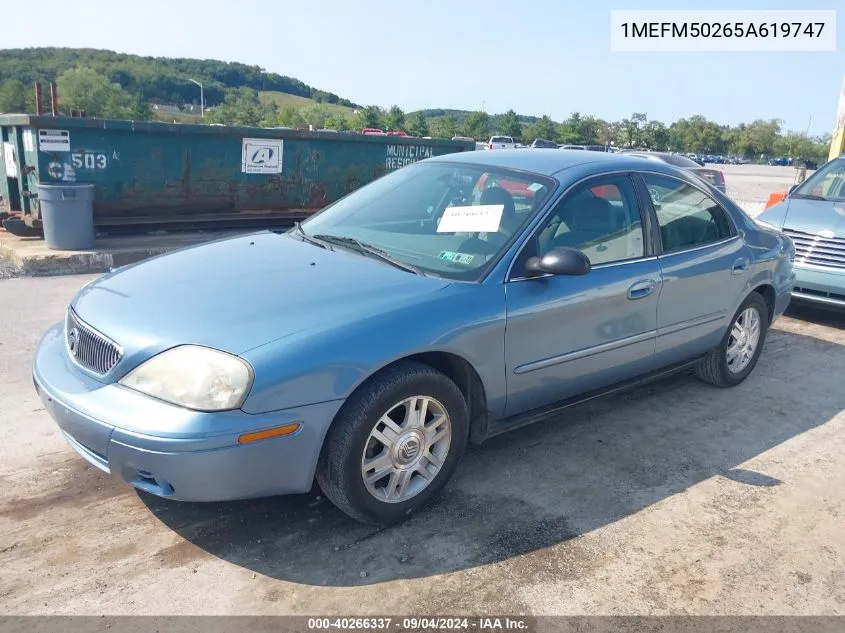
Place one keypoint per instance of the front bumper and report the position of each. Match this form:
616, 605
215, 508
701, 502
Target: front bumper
174, 452
819, 285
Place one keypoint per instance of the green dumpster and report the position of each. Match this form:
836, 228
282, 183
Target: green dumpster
148, 174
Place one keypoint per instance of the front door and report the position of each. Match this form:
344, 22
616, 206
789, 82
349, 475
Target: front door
567, 335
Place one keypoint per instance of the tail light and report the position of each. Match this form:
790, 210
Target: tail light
489, 145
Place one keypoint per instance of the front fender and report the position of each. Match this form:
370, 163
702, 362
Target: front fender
329, 363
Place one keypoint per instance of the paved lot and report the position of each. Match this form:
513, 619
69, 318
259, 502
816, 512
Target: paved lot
750, 185
679, 498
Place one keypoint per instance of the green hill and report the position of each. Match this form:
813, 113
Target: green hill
157, 79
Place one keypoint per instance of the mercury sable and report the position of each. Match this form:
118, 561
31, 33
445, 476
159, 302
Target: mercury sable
454, 299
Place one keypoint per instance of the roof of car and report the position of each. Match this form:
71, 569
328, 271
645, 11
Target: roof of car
541, 161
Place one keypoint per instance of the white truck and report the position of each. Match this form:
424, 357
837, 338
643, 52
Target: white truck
501, 142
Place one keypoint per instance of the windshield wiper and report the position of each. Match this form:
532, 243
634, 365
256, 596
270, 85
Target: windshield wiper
369, 249
297, 227
808, 196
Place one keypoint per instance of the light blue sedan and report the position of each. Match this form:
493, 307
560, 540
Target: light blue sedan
813, 216
449, 301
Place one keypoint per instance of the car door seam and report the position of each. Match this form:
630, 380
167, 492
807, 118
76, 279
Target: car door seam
690, 323
585, 352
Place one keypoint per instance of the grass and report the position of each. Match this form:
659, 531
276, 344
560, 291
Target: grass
284, 100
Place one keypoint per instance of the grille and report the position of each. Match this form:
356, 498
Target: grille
817, 250
89, 348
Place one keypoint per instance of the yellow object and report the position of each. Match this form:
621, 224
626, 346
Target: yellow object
266, 434
837, 144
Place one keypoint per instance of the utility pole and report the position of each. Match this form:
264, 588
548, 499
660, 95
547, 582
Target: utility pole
202, 97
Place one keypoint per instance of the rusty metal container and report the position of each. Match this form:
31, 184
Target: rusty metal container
148, 174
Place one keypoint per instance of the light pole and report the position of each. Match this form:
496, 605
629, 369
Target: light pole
202, 97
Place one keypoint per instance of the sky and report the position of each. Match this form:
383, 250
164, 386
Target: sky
536, 56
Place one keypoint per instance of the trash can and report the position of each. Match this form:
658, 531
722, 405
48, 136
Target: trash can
67, 216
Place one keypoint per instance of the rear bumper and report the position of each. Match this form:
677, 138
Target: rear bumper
819, 285
200, 460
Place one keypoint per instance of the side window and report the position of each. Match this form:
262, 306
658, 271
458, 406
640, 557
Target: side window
600, 218
687, 216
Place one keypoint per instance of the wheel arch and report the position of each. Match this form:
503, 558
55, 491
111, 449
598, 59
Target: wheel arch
456, 368
767, 291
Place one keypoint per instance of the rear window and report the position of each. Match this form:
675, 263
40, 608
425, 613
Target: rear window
679, 161
502, 139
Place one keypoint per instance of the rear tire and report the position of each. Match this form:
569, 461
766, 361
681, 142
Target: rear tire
394, 444
736, 356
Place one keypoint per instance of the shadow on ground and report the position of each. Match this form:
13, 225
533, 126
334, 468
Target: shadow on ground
540, 486
821, 315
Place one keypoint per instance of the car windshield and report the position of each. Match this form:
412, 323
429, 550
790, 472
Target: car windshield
827, 183
444, 219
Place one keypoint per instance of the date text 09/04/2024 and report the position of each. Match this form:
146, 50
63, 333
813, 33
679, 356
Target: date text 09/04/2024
418, 623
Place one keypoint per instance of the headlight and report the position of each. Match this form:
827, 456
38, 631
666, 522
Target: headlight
194, 377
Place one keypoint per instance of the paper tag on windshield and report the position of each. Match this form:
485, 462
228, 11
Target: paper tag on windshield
534, 186
483, 218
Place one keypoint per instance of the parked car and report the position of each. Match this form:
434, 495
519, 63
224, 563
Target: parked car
543, 144
501, 142
428, 309
373, 131
811, 216
712, 176
592, 148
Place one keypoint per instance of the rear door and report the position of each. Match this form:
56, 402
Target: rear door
704, 264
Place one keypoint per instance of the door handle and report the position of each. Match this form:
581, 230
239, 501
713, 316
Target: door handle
740, 266
641, 289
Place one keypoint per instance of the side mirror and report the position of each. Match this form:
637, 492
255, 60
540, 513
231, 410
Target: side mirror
559, 261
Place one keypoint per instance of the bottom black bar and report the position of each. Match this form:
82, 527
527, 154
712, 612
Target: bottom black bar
403, 624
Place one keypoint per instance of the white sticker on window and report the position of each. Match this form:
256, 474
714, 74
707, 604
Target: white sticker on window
483, 218
458, 258
534, 186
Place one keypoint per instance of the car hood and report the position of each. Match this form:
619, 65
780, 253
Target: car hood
812, 216
237, 294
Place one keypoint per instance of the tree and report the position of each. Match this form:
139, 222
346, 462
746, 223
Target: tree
290, 117
655, 136
509, 125
85, 89
14, 97
337, 122
315, 115
544, 128
395, 118
477, 126
444, 127
242, 106
418, 125
368, 117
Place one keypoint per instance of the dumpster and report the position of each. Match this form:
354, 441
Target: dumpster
158, 175
67, 215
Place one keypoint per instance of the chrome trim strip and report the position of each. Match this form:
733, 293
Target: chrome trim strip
702, 247
685, 325
583, 353
817, 299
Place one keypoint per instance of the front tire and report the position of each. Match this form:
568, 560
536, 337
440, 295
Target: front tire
394, 444
736, 356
